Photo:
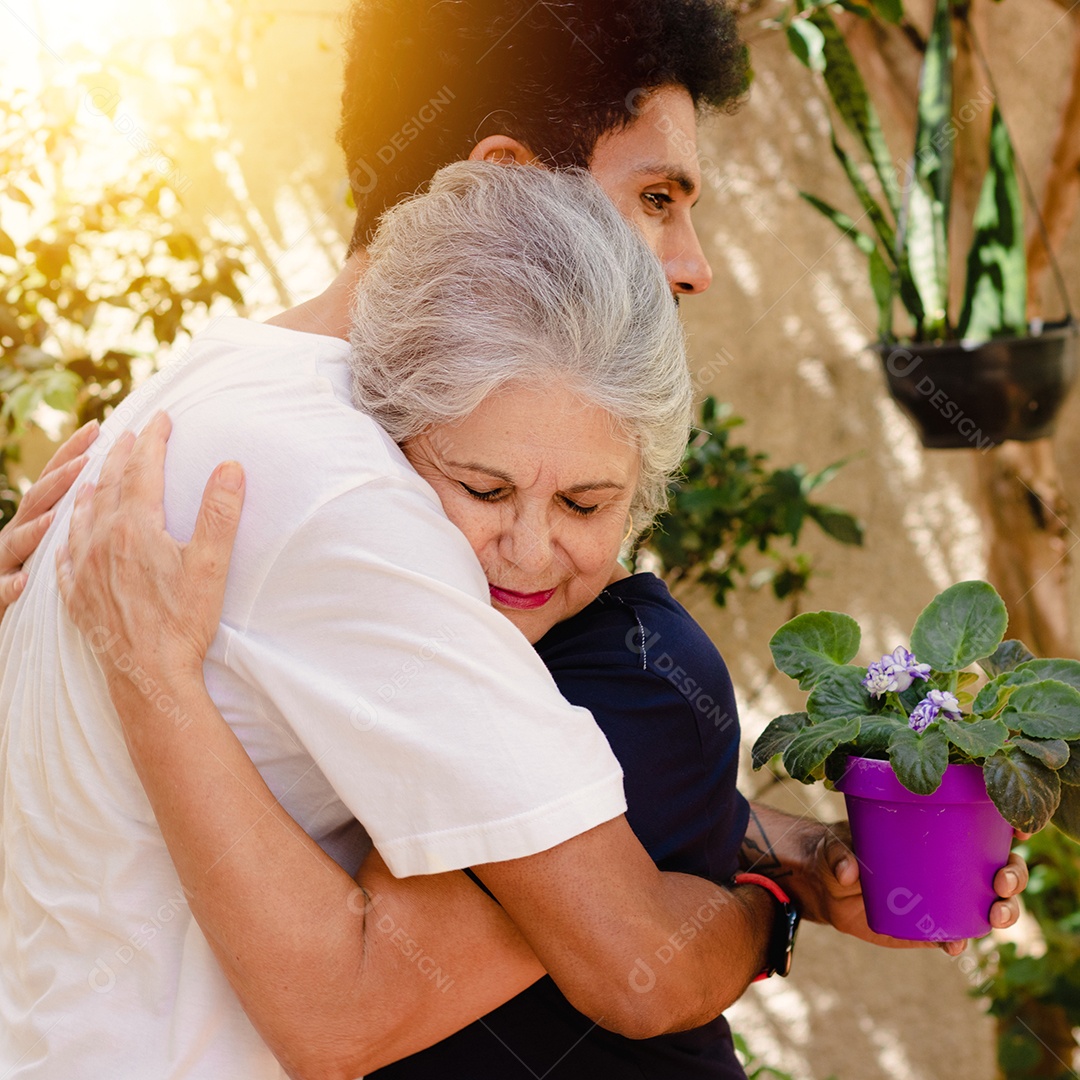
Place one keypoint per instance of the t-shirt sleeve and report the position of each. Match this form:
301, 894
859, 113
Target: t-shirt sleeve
428, 711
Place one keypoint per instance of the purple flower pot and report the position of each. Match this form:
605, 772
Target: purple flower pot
927, 862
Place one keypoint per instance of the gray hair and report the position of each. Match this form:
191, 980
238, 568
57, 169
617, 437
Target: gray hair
502, 274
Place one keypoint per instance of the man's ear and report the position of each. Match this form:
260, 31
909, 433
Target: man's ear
503, 150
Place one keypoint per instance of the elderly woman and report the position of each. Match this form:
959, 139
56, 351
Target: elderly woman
515, 338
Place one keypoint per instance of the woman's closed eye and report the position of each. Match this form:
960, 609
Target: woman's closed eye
499, 493
577, 508
491, 495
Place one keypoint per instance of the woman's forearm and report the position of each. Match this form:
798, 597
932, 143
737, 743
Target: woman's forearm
639, 951
338, 978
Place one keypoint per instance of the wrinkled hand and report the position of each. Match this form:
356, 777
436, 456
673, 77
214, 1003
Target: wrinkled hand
139, 596
22, 534
841, 899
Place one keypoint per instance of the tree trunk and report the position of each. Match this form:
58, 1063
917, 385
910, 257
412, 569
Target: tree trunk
1029, 541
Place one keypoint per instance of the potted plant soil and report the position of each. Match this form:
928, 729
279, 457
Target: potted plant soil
985, 375
936, 771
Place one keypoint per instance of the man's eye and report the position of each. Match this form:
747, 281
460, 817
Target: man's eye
657, 200
485, 496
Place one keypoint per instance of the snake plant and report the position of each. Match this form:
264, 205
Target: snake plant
904, 226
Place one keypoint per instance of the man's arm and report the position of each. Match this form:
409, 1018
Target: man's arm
814, 862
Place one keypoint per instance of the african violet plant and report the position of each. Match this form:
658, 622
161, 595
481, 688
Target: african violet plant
917, 708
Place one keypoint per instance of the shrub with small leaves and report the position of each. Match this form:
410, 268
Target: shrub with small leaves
728, 502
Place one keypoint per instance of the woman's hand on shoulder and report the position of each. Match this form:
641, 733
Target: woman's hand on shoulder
19, 539
142, 599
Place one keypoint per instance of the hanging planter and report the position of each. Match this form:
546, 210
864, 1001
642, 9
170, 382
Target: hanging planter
986, 376
973, 396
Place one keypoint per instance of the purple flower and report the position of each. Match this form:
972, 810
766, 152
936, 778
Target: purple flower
894, 673
937, 702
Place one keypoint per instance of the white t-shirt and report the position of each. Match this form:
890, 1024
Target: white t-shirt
361, 665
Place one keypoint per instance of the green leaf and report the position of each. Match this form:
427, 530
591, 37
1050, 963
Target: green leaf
1067, 815
978, 738
807, 43
813, 643
925, 253
776, 737
881, 282
995, 293
1047, 709
839, 694
959, 626
1066, 671
1026, 793
1008, 656
1070, 771
837, 523
919, 760
890, 10
964, 679
877, 732
806, 753
934, 137
848, 93
843, 222
926, 221
21, 403
998, 690
61, 390
886, 234
1053, 753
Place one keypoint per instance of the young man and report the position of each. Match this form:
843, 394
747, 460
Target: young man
104, 970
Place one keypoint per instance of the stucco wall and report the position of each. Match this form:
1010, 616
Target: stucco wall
780, 335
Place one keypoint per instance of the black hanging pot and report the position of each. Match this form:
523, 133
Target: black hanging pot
975, 396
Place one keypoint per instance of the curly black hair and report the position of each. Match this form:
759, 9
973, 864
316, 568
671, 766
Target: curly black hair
425, 80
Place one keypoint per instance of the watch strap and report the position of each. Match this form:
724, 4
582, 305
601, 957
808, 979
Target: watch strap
785, 923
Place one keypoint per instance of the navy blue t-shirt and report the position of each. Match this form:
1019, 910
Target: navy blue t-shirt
661, 694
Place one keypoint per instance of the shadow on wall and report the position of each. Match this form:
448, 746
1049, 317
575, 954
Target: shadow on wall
780, 335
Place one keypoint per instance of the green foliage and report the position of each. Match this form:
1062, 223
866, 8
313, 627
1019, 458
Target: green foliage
728, 502
908, 249
1006, 657
753, 1066
1028, 789
919, 759
805, 755
778, 737
811, 644
84, 261
961, 625
1022, 727
839, 693
995, 297
1025, 991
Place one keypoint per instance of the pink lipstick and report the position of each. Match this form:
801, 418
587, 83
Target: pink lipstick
520, 601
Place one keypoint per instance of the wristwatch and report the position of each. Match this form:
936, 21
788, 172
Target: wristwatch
782, 938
